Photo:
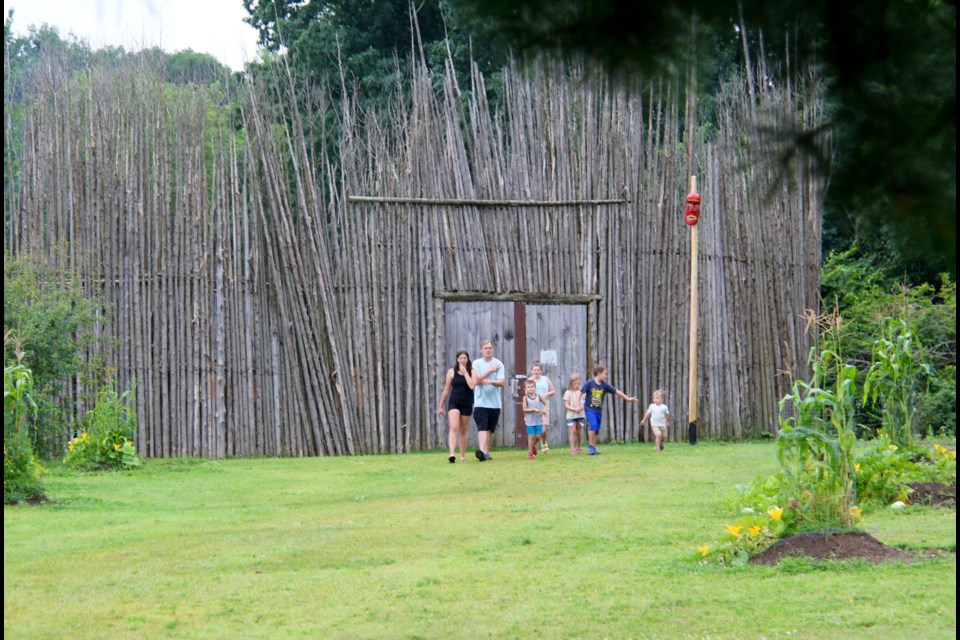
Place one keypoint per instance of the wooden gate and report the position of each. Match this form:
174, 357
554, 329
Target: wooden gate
555, 334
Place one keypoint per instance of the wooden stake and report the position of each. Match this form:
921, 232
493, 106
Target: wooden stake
692, 381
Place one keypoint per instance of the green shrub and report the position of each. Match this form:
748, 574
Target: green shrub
53, 317
105, 439
882, 472
937, 409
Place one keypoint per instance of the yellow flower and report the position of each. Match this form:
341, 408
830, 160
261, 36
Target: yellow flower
775, 512
117, 446
734, 531
892, 447
856, 511
953, 454
70, 447
703, 550
856, 467
755, 530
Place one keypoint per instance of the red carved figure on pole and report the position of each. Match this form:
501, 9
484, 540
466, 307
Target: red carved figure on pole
692, 215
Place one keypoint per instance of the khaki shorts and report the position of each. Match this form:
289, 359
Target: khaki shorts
658, 431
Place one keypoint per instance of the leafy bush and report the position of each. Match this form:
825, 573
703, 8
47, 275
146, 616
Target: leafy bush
939, 464
21, 471
882, 471
52, 315
105, 440
937, 409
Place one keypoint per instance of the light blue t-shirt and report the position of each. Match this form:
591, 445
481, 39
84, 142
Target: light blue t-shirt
487, 395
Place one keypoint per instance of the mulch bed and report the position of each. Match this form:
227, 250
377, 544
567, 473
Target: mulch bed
833, 546
934, 494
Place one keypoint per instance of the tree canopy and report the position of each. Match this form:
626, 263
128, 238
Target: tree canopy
891, 67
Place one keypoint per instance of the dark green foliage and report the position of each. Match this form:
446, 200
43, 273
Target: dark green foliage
891, 67
367, 44
937, 413
189, 66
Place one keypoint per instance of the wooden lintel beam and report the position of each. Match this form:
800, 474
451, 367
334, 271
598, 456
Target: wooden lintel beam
517, 296
483, 203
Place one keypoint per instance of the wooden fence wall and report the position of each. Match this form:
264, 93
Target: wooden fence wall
272, 300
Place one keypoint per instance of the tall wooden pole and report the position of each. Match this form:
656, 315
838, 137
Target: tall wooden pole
692, 382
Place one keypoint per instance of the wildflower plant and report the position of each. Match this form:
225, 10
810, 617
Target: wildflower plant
750, 534
105, 440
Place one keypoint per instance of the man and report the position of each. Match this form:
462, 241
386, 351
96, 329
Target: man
487, 402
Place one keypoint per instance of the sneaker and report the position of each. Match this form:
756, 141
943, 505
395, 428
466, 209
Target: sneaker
546, 447
480, 455
531, 456
534, 451
452, 459
593, 451
487, 456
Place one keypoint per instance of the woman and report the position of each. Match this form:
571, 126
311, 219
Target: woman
458, 385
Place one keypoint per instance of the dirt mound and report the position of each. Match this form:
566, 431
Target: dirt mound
832, 546
933, 494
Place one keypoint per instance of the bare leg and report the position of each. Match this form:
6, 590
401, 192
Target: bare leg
464, 425
573, 446
592, 437
453, 419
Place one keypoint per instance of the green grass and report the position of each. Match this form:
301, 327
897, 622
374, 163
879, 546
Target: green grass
413, 547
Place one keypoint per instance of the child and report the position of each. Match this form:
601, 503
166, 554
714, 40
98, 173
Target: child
544, 390
573, 402
659, 416
534, 409
594, 392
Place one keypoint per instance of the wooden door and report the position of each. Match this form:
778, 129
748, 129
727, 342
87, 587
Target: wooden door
521, 333
557, 337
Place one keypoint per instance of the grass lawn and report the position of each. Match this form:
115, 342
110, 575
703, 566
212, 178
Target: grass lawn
414, 547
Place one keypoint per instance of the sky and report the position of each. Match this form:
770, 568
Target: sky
215, 27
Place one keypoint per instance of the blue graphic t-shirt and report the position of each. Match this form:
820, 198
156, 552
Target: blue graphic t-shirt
594, 393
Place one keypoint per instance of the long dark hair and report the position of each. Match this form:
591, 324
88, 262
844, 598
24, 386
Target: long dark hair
456, 365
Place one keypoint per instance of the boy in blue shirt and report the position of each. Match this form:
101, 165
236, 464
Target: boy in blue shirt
594, 392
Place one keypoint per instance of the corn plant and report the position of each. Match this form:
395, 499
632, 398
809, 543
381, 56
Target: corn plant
21, 471
815, 447
896, 378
